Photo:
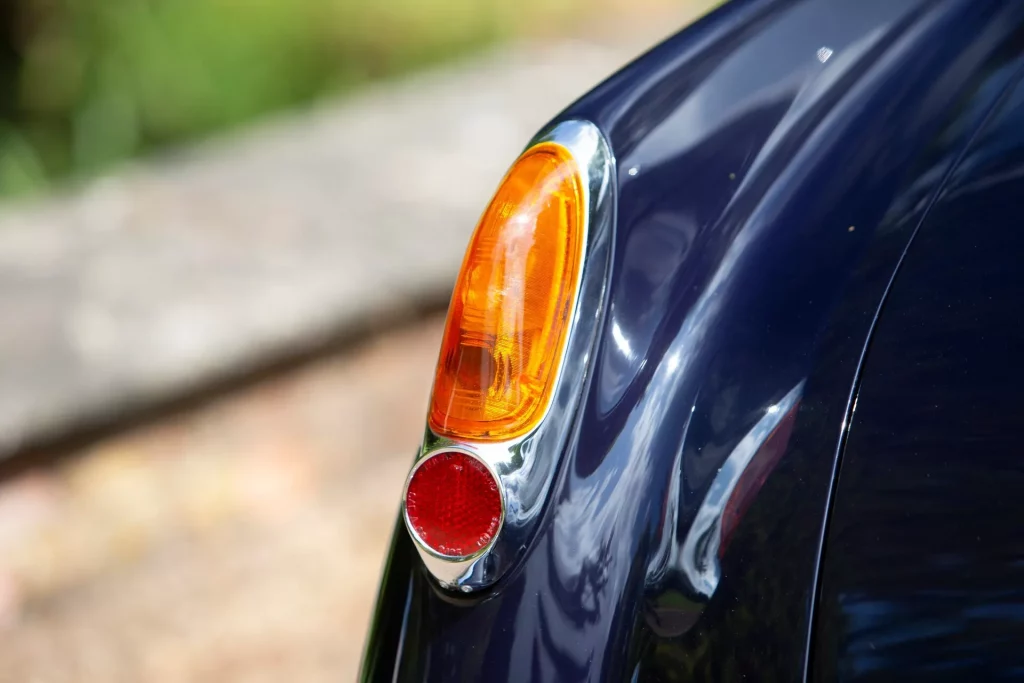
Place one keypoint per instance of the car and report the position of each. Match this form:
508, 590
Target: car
731, 383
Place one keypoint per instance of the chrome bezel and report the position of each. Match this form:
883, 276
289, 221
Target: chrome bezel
525, 466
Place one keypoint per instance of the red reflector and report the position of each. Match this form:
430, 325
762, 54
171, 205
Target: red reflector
453, 504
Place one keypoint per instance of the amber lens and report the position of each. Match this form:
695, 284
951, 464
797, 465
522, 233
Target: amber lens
512, 303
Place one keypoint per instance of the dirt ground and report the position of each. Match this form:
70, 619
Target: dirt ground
240, 541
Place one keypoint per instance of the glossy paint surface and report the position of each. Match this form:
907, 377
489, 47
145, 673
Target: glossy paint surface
774, 162
924, 561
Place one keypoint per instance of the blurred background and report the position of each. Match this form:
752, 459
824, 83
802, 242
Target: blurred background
228, 230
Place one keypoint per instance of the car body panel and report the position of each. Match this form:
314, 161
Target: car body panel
923, 575
774, 161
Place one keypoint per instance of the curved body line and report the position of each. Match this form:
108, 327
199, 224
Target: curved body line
851, 401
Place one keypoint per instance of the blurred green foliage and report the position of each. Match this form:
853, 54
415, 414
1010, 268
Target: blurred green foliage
86, 83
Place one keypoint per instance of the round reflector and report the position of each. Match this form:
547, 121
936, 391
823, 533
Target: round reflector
453, 504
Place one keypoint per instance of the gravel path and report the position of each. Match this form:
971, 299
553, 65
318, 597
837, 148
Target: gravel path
238, 542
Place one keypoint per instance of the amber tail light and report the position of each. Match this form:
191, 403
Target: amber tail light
512, 302
523, 322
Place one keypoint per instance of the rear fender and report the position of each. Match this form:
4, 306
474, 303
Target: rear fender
773, 162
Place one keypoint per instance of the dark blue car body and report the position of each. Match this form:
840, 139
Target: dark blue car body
820, 199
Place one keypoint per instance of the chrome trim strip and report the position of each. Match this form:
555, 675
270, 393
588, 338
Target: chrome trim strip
525, 467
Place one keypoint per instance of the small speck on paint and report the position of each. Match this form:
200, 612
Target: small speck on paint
850, 229
732, 176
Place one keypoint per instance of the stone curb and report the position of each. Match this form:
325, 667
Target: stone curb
170, 275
